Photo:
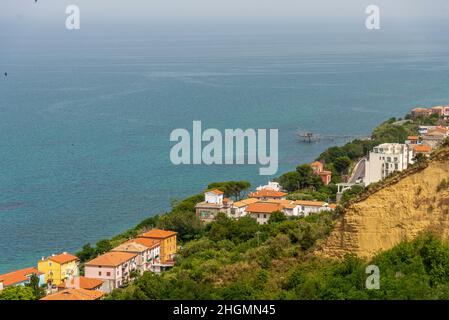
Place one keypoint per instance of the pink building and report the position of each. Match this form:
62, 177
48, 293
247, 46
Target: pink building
113, 267
147, 250
318, 168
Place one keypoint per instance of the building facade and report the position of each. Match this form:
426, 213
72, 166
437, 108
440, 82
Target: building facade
167, 242
58, 268
114, 268
214, 203
20, 277
385, 159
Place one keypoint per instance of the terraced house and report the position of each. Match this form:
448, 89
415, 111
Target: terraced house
58, 268
20, 277
114, 268
214, 203
147, 250
168, 245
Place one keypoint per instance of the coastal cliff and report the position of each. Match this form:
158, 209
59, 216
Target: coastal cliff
404, 207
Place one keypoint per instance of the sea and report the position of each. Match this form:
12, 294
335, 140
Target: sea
86, 115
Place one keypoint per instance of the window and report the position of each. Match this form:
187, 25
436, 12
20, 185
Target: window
99, 273
108, 274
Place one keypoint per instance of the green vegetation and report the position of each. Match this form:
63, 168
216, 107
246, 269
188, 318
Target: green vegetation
393, 131
234, 259
240, 259
233, 189
244, 260
17, 293
181, 218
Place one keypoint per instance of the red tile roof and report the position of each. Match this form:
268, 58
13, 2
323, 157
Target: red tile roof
81, 282
111, 259
421, 149
263, 207
147, 242
267, 193
75, 294
216, 191
17, 276
158, 234
310, 203
316, 164
63, 258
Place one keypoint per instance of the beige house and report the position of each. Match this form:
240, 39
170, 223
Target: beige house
214, 203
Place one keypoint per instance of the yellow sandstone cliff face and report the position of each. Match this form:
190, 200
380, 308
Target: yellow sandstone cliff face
394, 214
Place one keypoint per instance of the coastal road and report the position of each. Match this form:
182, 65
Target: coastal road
359, 171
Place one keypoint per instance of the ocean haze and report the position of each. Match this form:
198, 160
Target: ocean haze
85, 116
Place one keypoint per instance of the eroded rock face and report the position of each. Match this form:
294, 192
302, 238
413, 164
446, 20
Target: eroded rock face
396, 213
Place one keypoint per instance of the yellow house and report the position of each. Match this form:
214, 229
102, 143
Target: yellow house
57, 268
167, 242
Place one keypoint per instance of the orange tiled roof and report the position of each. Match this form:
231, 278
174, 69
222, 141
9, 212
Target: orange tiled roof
245, 202
75, 294
264, 207
131, 246
158, 234
63, 258
325, 173
147, 242
267, 193
310, 203
412, 138
332, 206
17, 276
111, 259
421, 149
216, 191
316, 164
81, 282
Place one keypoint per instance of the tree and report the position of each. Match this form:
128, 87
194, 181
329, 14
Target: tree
290, 181
341, 164
103, 246
307, 178
232, 189
87, 253
38, 291
420, 158
17, 293
277, 216
185, 223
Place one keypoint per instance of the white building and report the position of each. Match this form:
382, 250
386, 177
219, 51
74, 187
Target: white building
214, 196
385, 159
238, 209
270, 186
214, 203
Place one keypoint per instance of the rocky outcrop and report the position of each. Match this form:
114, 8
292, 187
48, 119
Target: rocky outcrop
400, 211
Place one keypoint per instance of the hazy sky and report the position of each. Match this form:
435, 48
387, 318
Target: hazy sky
225, 8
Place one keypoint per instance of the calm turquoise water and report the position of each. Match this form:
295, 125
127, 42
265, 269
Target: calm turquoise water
85, 119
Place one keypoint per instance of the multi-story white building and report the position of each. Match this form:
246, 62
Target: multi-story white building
214, 203
385, 159
272, 185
